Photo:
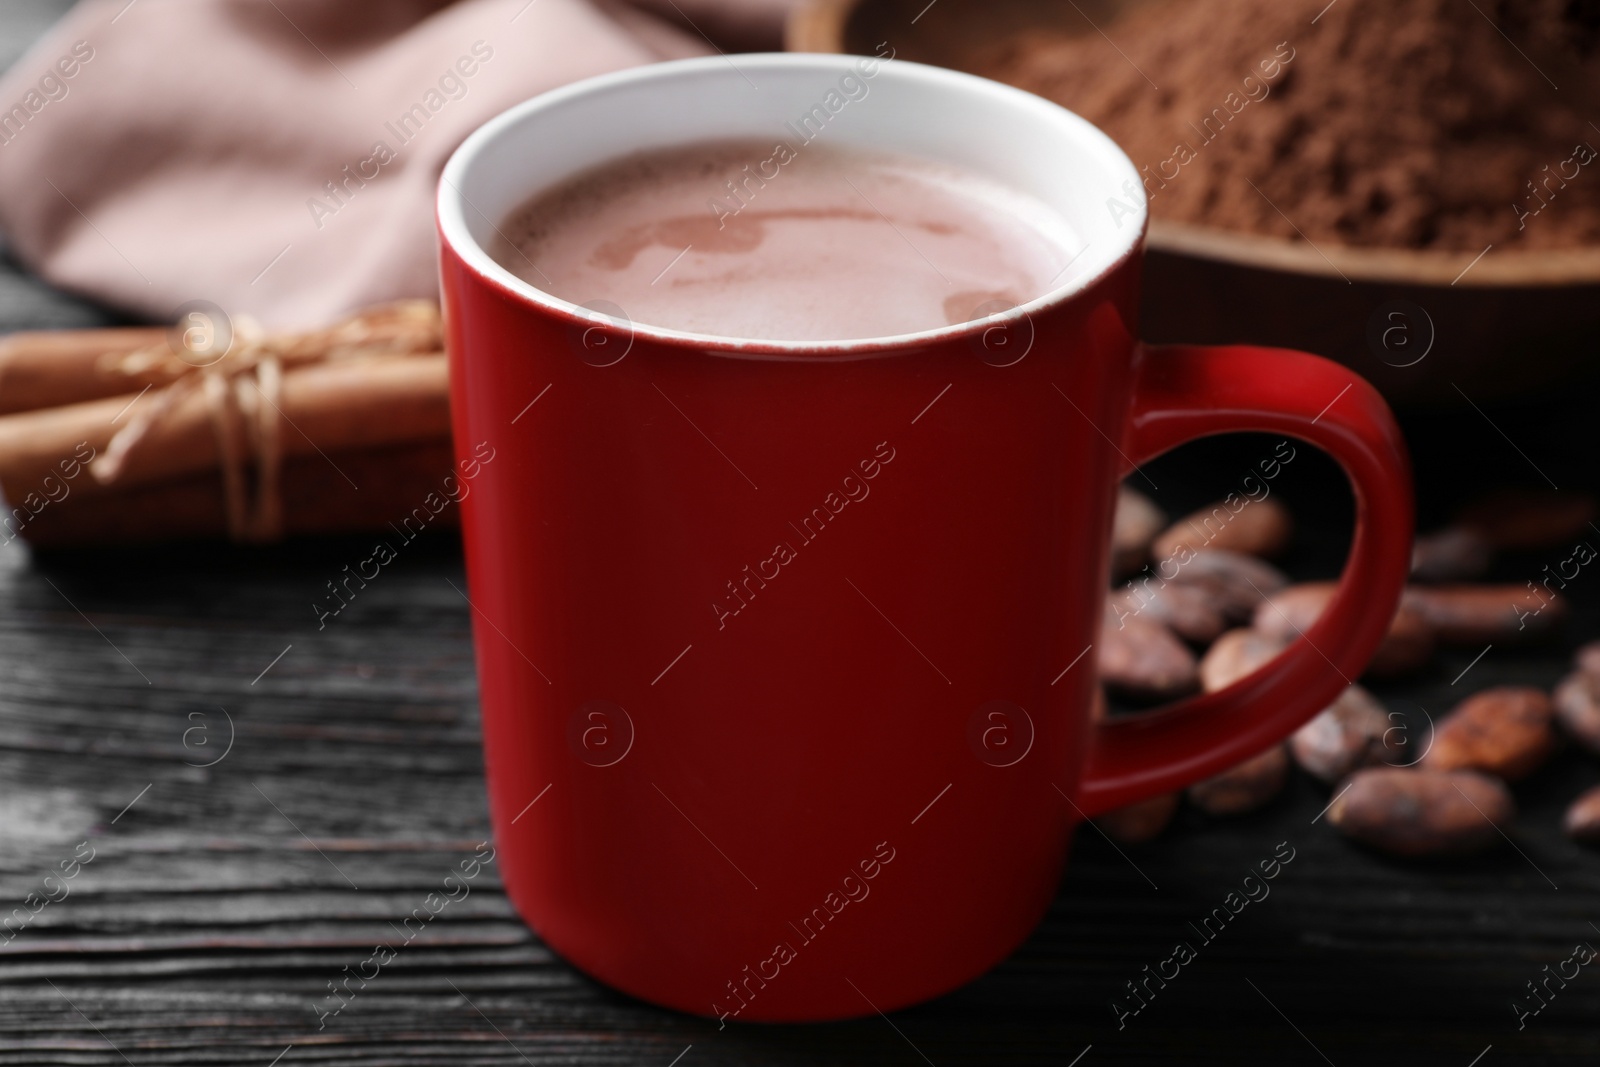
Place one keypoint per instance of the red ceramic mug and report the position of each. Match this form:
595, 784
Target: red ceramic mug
781, 645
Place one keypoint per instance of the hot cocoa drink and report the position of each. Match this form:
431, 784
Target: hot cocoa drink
754, 240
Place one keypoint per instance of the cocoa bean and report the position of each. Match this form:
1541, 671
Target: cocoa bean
1136, 525
1291, 612
1144, 659
1138, 823
1582, 822
1507, 731
1351, 733
1407, 647
1188, 610
1245, 786
1453, 554
1480, 614
1256, 527
1577, 708
1236, 654
1236, 583
1409, 812
1587, 658
1529, 518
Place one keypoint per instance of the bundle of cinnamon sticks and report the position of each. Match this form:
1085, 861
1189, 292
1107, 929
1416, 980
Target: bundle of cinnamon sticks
143, 434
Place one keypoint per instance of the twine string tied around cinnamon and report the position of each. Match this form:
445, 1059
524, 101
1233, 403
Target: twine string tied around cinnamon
243, 393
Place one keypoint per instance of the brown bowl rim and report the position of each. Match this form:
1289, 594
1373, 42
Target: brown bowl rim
1491, 268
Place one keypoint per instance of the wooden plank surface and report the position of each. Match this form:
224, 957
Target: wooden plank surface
221, 901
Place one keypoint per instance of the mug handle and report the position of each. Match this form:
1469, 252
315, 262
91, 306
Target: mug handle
1182, 392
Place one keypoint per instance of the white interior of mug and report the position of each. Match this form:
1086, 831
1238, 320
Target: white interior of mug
885, 105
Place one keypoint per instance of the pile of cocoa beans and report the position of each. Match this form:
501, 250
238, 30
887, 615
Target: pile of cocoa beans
1197, 605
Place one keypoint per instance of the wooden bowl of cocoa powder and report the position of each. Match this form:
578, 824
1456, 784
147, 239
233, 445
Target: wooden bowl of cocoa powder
1397, 187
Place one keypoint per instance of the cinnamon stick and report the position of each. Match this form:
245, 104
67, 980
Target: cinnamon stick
46, 369
401, 484
329, 407
116, 436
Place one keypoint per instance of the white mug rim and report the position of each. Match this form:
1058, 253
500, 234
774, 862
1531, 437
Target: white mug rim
452, 206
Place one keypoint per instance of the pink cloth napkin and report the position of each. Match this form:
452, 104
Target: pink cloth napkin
279, 157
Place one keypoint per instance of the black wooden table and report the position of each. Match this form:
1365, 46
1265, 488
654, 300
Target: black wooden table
229, 885
250, 805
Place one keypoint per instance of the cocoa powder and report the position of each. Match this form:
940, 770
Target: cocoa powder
1429, 124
